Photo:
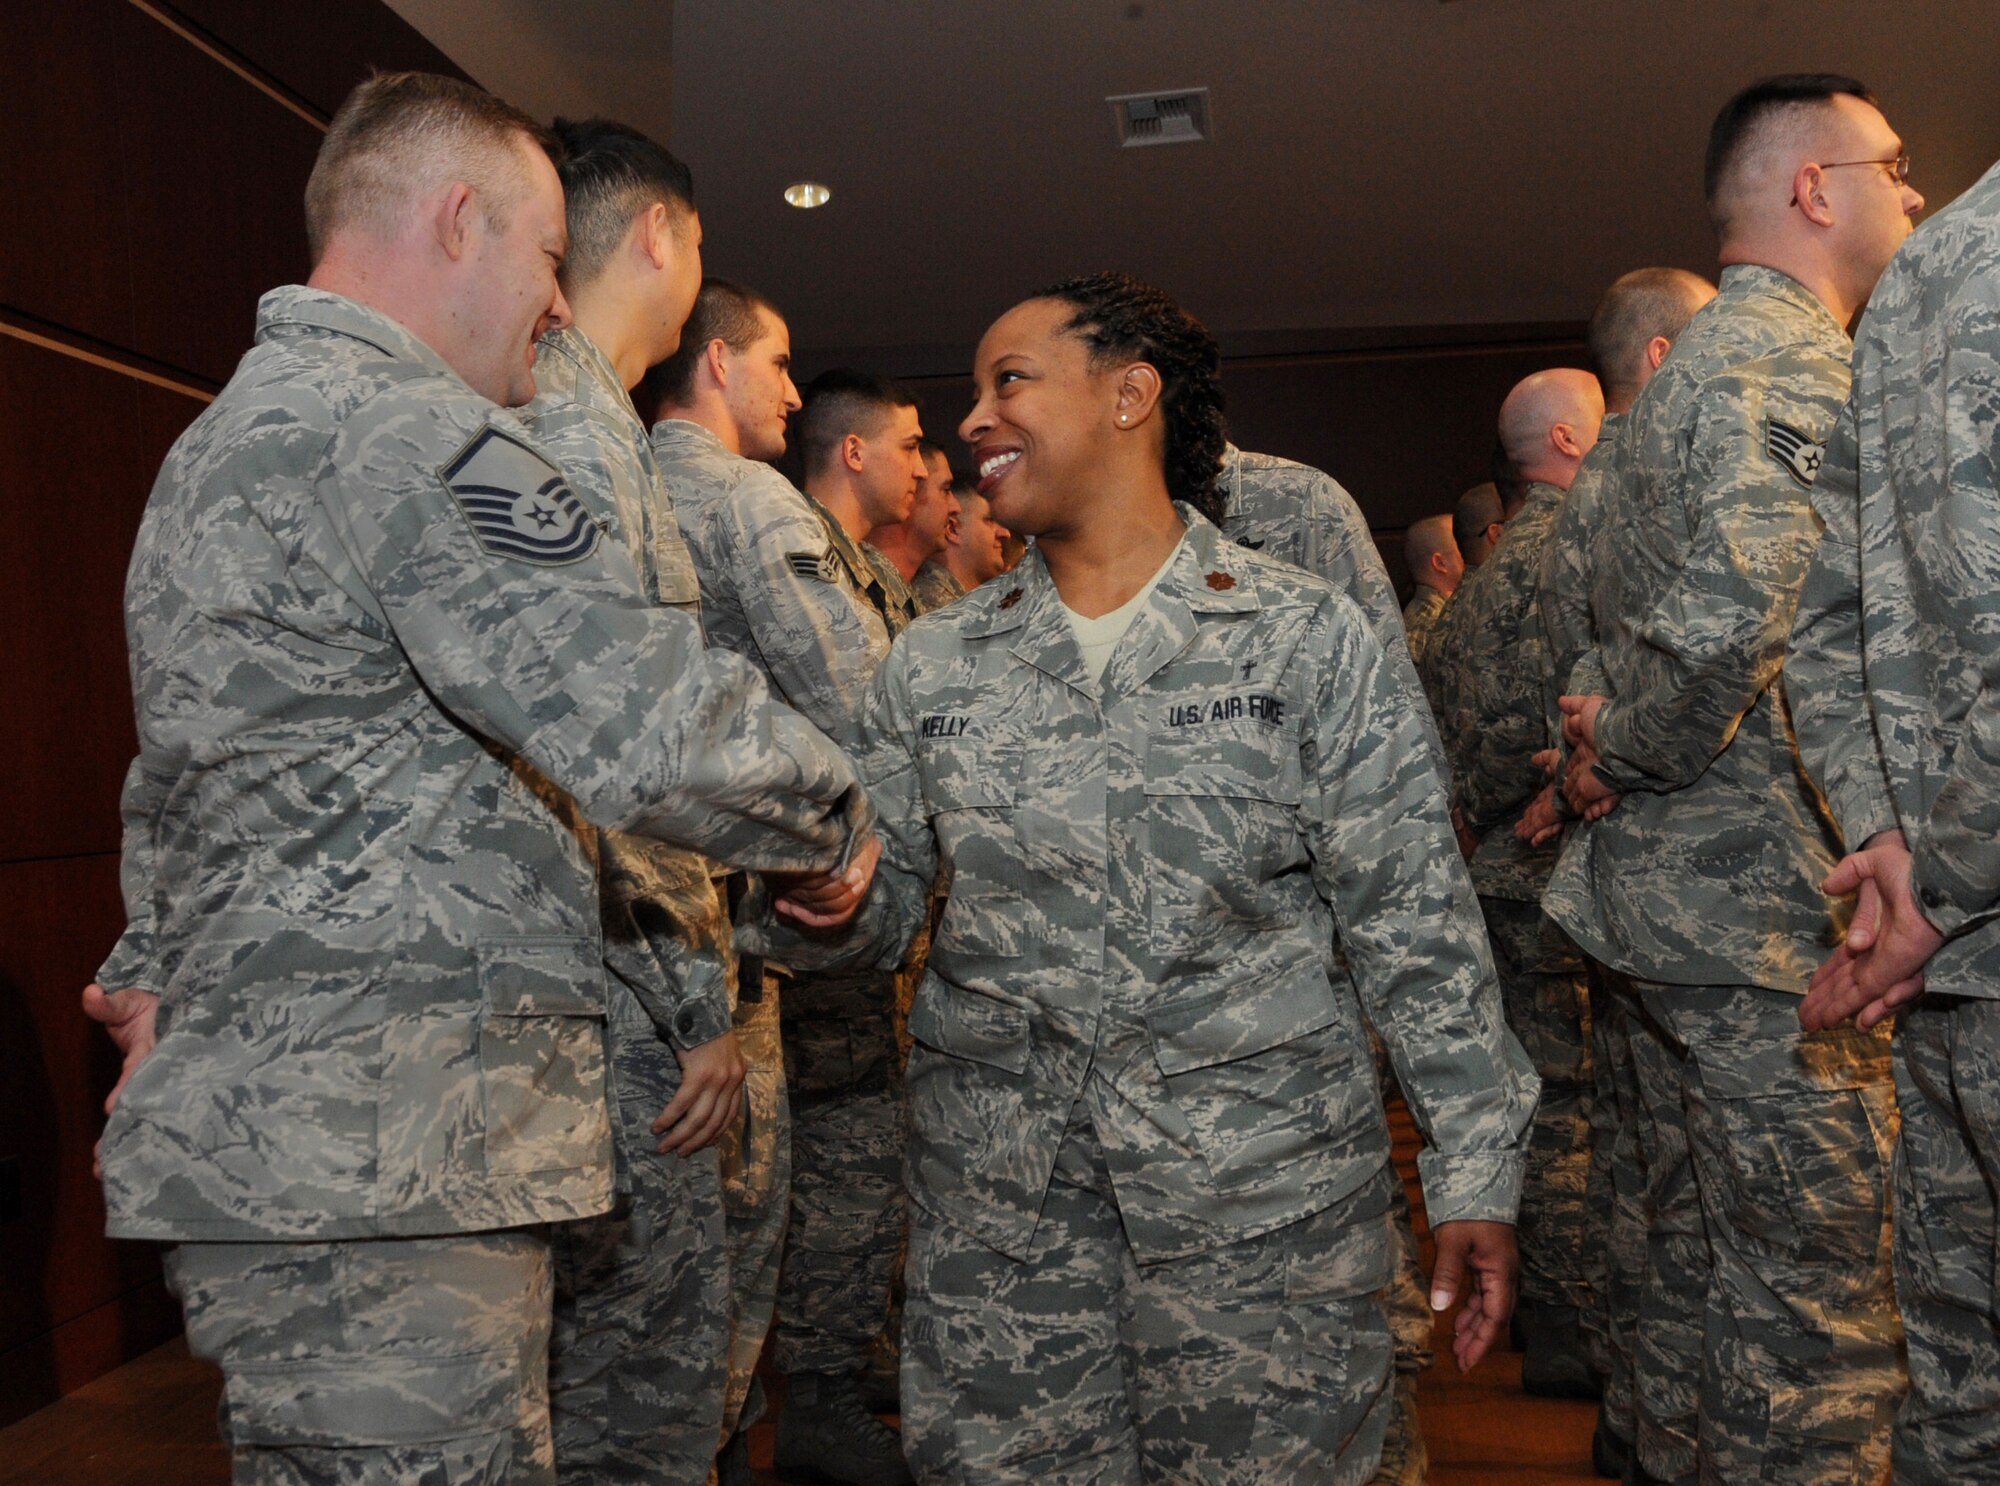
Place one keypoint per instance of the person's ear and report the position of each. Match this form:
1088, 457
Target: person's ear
1565, 440
653, 232
716, 355
853, 451
1809, 195
1438, 565
1138, 394
1656, 351
452, 219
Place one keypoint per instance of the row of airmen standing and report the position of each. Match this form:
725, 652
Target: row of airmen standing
1714, 666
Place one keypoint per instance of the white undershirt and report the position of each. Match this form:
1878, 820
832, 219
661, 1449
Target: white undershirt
1098, 637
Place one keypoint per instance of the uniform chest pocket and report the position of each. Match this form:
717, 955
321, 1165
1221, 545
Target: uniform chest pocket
541, 1054
1222, 808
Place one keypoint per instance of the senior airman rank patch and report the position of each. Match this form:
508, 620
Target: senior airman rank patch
1793, 449
517, 503
821, 565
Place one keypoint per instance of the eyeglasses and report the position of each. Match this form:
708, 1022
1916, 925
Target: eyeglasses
1898, 168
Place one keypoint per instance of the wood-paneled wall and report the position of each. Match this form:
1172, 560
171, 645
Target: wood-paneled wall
156, 158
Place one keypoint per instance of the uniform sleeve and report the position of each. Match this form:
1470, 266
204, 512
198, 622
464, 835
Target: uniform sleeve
1823, 678
1956, 847
130, 965
615, 700
1717, 638
666, 935
819, 643
898, 904
1562, 603
1383, 858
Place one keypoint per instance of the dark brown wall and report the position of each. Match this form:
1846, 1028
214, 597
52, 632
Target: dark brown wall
156, 157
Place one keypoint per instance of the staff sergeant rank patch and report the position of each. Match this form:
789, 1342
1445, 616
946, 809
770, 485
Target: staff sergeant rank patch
821, 565
517, 503
1793, 449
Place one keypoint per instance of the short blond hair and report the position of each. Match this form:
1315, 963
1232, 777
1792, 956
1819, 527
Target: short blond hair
400, 135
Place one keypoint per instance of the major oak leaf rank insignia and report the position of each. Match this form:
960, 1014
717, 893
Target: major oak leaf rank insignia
1796, 450
517, 503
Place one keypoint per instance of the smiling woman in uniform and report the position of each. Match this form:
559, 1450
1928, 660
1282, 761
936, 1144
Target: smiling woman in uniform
1167, 773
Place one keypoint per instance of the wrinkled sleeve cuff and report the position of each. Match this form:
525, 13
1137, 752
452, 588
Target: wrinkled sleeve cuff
1862, 812
1478, 1186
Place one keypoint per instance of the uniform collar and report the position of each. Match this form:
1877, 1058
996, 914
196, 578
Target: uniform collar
1756, 280
685, 432
321, 309
593, 367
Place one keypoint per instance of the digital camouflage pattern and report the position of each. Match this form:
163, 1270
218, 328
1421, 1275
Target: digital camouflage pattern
1774, 1238
1263, 1360
1147, 882
1564, 581
356, 584
935, 586
1304, 516
1765, 1307
1484, 667
1709, 870
1420, 618
1614, 1201
756, 1161
376, 1359
1892, 679
638, 1356
784, 585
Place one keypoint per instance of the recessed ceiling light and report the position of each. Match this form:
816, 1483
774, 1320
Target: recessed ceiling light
807, 195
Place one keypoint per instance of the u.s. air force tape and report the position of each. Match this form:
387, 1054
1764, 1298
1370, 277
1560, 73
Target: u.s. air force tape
820, 565
1795, 449
517, 503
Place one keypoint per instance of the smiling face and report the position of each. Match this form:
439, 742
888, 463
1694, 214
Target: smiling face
511, 295
759, 392
935, 505
1043, 419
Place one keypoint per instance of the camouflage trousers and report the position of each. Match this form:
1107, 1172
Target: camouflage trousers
1547, 1007
844, 1075
1614, 1199
1768, 1345
1265, 1360
1947, 1265
637, 1355
376, 1360
756, 1158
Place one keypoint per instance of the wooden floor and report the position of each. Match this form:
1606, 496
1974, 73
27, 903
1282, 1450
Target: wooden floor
152, 1422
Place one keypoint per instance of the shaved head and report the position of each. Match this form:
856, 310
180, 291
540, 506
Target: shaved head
1474, 522
1432, 556
1765, 133
1549, 421
1643, 306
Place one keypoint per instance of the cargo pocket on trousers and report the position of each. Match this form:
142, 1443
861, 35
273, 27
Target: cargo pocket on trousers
379, 1401
541, 1055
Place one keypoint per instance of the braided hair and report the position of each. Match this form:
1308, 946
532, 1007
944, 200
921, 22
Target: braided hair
1121, 320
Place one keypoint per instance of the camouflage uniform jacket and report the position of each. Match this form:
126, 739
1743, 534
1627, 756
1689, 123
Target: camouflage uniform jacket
1708, 871
1484, 664
1420, 620
1563, 581
358, 591
1149, 877
665, 925
935, 586
1905, 586
1304, 516
775, 587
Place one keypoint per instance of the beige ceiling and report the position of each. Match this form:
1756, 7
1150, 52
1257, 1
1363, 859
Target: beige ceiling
1376, 162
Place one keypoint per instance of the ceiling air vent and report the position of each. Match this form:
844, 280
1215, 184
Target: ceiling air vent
1162, 118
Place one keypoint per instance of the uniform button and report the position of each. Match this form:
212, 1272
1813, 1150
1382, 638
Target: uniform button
684, 1021
1930, 897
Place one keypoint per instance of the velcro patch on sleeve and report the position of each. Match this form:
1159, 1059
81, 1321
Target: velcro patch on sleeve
517, 503
821, 565
1793, 448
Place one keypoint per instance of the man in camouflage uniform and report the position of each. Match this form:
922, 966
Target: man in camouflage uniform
1891, 680
1484, 664
777, 590
1768, 1346
638, 1363
1436, 569
975, 545
914, 547
1633, 327
1304, 516
1476, 523
362, 594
